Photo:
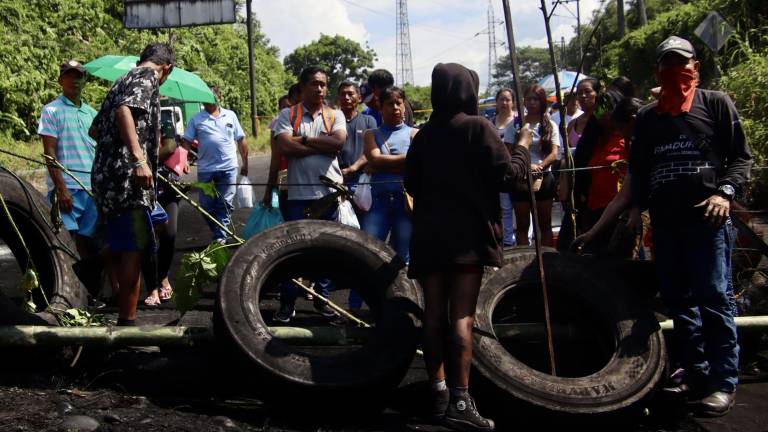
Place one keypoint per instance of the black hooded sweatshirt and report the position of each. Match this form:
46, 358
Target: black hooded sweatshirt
455, 169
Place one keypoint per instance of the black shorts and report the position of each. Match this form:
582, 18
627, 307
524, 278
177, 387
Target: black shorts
547, 191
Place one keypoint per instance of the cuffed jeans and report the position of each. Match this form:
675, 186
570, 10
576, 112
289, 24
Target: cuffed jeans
294, 210
220, 207
694, 265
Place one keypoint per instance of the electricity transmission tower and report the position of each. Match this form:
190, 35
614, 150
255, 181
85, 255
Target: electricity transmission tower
403, 60
492, 58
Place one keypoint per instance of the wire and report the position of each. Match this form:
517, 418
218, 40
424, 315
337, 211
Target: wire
412, 25
428, 62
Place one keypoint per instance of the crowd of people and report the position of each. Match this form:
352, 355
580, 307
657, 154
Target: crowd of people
458, 173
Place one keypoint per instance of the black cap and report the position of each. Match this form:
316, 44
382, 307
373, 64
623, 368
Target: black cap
70, 65
677, 45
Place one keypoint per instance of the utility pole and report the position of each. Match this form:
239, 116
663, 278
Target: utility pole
251, 73
643, 12
578, 21
562, 50
403, 60
535, 218
620, 16
492, 58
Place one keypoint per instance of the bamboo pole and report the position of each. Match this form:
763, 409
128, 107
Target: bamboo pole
38, 335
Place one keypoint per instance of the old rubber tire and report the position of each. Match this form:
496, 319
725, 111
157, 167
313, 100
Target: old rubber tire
314, 247
631, 371
52, 253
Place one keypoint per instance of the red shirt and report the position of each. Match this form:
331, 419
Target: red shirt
605, 181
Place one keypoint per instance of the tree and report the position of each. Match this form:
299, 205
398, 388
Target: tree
343, 59
39, 35
534, 65
420, 98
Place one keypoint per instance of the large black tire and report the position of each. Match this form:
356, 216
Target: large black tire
52, 253
635, 358
353, 259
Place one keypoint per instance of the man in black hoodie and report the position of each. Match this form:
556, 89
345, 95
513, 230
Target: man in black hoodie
455, 169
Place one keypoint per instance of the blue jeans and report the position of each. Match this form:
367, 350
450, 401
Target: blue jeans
294, 210
507, 218
694, 265
221, 206
387, 217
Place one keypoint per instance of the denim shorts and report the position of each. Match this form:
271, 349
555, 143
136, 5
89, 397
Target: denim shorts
133, 230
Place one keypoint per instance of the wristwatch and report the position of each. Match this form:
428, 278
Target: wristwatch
727, 191
304, 140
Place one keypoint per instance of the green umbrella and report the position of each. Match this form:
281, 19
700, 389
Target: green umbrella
182, 85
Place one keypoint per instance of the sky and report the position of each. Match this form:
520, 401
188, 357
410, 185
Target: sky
440, 30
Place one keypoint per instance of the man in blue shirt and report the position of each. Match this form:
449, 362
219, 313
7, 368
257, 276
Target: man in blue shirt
63, 127
370, 91
217, 130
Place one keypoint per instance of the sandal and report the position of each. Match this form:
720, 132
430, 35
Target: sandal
153, 299
166, 292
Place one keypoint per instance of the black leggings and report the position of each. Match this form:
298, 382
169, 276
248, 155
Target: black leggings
167, 240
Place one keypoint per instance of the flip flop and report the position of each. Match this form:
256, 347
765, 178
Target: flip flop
152, 301
165, 293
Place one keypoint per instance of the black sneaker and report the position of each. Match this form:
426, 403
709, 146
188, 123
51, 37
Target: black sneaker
284, 314
341, 321
440, 401
324, 309
462, 415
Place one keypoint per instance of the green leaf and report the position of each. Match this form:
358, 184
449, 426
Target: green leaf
186, 293
220, 255
80, 318
209, 189
29, 281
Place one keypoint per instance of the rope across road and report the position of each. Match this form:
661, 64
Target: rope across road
55, 163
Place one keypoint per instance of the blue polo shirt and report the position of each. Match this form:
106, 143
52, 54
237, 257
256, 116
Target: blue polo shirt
217, 136
69, 124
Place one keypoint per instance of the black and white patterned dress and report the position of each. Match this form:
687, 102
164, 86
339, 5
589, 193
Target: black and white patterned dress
114, 186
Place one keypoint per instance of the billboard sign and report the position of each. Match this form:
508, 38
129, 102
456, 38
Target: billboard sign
150, 14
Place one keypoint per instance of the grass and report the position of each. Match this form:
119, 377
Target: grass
31, 149
260, 144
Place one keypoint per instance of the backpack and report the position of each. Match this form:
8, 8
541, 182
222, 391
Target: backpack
296, 114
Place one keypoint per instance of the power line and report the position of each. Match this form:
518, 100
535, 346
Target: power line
428, 62
420, 26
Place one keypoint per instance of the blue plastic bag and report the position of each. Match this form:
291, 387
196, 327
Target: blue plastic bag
262, 218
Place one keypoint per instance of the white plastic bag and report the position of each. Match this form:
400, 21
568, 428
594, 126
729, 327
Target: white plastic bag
346, 214
244, 192
362, 195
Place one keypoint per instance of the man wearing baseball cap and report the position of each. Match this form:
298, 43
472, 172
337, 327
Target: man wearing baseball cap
689, 159
63, 127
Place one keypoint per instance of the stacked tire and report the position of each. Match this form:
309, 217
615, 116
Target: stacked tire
52, 251
636, 357
353, 260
